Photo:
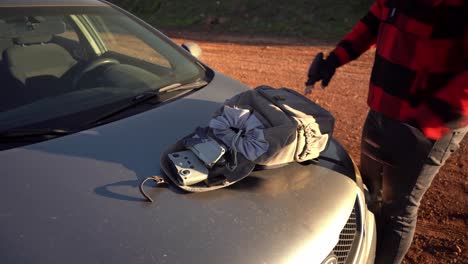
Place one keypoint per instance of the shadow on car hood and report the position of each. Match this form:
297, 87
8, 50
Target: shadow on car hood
75, 199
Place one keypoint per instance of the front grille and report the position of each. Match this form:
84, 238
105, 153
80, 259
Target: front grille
349, 236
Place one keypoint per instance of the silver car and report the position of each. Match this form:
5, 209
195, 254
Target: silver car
84, 119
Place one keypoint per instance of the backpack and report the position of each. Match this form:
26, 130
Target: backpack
261, 128
296, 128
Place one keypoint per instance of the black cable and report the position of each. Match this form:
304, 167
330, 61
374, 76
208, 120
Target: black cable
157, 179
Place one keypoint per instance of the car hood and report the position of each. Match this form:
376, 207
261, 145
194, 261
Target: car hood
75, 199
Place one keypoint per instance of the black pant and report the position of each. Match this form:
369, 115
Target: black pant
398, 164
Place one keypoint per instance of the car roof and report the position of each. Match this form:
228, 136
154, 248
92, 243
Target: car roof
32, 3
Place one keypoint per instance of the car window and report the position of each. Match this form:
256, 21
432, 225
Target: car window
69, 32
70, 40
81, 60
121, 40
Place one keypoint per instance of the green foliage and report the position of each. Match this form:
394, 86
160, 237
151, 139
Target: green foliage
139, 6
325, 19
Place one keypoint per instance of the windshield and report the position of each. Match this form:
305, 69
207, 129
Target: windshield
59, 62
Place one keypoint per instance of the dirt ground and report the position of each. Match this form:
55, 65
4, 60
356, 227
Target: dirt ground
441, 234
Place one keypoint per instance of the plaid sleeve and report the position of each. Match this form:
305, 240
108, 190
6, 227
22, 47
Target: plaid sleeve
448, 108
361, 37
445, 110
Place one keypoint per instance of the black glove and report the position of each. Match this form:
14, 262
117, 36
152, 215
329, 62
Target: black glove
321, 69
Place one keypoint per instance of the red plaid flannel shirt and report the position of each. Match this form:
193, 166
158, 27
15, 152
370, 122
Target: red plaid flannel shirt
420, 71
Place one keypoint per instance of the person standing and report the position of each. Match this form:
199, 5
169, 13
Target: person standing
418, 99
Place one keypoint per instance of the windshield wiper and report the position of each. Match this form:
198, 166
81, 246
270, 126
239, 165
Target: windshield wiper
147, 96
178, 87
24, 134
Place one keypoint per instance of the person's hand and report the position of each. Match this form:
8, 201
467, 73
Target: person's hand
320, 70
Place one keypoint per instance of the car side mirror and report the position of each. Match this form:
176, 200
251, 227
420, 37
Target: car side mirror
193, 49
